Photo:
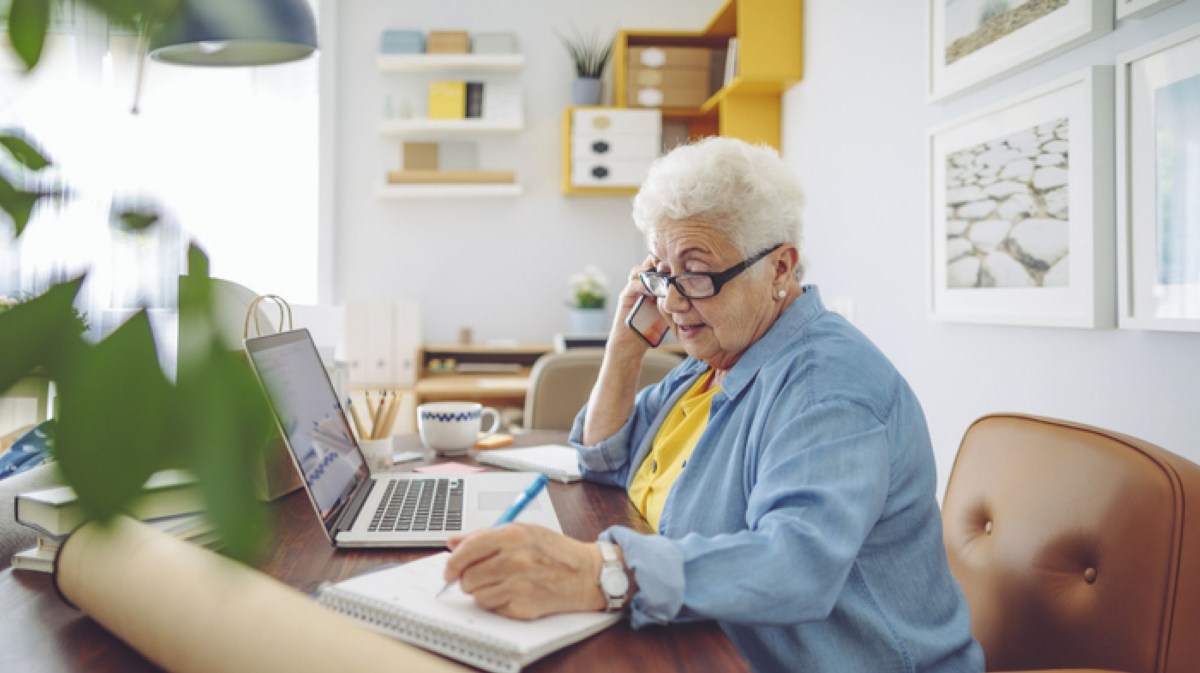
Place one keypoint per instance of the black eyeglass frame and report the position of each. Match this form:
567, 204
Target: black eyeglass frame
717, 278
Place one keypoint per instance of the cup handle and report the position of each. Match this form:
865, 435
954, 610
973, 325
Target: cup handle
495, 422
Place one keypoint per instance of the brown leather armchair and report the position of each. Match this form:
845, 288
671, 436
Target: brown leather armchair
1076, 547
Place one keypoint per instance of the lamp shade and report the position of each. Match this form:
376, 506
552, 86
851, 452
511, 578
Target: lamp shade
236, 33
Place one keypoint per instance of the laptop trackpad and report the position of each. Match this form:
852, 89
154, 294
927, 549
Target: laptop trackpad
498, 501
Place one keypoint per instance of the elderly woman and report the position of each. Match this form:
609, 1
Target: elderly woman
785, 465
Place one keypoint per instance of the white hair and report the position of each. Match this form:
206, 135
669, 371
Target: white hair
743, 191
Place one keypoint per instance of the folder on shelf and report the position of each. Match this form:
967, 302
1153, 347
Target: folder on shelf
447, 99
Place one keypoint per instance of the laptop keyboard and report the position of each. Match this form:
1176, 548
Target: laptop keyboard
420, 505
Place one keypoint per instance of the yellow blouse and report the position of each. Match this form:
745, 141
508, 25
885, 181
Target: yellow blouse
671, 448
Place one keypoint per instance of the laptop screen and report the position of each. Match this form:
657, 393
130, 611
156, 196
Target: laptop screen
310, 417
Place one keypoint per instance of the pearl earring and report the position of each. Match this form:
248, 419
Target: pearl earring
781, 294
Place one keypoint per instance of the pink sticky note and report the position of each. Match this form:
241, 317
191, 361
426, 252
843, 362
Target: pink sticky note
447, 468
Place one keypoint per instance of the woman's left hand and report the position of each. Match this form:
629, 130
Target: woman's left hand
526, 572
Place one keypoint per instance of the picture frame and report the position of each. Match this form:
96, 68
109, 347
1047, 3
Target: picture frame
1136, 9
1021, 216
1158, 177
973, 42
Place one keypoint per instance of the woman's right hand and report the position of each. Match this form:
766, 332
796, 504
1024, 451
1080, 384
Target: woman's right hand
621, 337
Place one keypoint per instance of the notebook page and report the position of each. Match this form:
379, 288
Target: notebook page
556, 461
413, 588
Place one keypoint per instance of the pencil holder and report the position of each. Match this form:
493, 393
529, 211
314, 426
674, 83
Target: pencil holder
378, 453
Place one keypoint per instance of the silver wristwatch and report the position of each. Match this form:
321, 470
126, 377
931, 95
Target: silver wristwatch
614, 583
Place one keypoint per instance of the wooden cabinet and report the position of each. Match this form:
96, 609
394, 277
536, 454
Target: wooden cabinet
769, 59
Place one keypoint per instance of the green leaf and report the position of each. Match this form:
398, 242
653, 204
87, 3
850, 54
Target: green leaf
23, 152
133, 220
19, 203
112, 429
39, 332
225, 424
223, 419
28, 21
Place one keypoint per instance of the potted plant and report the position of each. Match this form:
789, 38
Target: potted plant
589, 55
587, 314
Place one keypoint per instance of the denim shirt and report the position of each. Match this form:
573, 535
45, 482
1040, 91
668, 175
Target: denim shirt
805, 521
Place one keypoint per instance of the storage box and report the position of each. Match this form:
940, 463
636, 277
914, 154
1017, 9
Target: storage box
447, 42
668, 88
669, 57
420, 156
402, 42
494, 43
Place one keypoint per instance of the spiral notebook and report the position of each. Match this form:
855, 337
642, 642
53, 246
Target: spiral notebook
558, 462
402, 602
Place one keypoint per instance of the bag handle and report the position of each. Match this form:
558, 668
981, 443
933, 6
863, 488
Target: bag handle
285, 314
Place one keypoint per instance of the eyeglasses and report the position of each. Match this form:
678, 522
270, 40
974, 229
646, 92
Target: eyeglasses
697, 284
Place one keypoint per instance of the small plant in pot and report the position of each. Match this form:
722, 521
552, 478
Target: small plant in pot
590, 55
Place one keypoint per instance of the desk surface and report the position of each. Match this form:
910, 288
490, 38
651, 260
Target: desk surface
41, 633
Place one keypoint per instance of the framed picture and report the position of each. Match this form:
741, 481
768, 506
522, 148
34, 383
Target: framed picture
1136, 9
1158, 183
972, 42
1021, 214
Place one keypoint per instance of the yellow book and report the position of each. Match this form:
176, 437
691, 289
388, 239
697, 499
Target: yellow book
447, 99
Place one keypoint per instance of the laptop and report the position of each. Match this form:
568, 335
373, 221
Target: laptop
359, 509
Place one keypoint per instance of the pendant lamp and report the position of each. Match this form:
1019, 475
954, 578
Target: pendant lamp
236, 33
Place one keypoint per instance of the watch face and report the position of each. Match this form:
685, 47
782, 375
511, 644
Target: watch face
614, 583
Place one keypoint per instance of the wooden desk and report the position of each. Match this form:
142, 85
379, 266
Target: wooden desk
42, 634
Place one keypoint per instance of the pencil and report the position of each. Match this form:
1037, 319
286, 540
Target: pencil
370, 407
378, 420
354, 416
389, 419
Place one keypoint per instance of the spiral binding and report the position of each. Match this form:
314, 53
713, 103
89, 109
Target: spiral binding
478, 649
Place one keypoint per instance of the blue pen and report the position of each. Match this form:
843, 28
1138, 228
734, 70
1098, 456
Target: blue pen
513, 511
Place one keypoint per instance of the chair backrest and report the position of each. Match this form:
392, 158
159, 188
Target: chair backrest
1076, 547
559, 384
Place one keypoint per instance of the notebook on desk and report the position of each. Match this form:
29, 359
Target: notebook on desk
356, 508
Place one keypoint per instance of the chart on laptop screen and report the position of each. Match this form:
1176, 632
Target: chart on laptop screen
317, 431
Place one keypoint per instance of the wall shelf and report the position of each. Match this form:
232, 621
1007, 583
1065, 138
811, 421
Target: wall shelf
443, 127
450, 62
444, 191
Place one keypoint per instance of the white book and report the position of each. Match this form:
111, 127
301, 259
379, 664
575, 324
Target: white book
560, 463
38, 559
402, 602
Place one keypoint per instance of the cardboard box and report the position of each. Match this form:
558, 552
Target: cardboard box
402, 42
420, 156
447, 42
667, 87
494, 43
666, 97
670, 57
423, 177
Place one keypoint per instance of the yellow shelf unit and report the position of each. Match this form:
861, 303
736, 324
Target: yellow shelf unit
770, 59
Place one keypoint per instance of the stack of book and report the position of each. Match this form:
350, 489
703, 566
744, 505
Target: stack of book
170, 501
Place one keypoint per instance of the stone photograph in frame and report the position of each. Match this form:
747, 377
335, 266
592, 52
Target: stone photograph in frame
1158, 183
973, 42
1021, 212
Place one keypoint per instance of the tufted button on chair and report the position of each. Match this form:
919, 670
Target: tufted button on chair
1077, 548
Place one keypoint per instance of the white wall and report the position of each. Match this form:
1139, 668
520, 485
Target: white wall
499, 265
855, 130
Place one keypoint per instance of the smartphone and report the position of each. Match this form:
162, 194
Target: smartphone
647, 322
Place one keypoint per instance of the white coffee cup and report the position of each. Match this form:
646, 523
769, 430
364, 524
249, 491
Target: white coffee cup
378, 453
453, 427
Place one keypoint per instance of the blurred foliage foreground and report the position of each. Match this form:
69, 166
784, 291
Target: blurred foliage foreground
118, 417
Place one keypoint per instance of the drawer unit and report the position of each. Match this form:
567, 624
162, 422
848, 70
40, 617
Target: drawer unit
613, 147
